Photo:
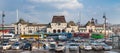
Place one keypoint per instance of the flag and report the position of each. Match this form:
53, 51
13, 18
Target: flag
3, 15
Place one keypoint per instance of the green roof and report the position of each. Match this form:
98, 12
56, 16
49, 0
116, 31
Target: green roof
97, 36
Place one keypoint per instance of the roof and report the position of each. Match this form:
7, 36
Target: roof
90, 23
58, 19
72, 23
31, 24
22, 21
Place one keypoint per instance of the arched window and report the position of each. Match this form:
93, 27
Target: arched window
30, 31
72, 31
59, 31
90, 30
38, 31
63, 30
54, 31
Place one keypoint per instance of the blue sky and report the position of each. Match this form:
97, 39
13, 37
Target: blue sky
42, 11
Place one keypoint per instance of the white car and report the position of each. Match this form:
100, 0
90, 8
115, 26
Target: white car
87, 47
52, 45
60, 47
6, 46
14, 39
73, 46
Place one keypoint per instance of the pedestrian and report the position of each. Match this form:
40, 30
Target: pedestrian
30, 47
44, 46
79, 50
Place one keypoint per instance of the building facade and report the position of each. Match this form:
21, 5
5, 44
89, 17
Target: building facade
59, 25
92, 27
23, 27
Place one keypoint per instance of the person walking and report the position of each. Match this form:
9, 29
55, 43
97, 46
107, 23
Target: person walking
44, 46
79, 50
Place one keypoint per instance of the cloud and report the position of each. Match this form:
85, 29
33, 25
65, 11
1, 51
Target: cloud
65, 13
49, 0
73, 4
61, 4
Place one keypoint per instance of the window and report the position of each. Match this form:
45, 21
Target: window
58, 23
54, 31
58, 30
30, 31
38, 31
63, 30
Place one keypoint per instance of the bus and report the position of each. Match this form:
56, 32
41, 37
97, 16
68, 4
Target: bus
7, 36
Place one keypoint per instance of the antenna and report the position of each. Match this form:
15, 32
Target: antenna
80, 18
17, 15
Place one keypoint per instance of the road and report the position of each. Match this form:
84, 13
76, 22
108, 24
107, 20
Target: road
52, 51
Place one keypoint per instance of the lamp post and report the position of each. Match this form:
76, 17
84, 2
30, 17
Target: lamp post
3, 15
105, 25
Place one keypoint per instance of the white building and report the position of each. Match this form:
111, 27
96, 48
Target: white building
59, 25
23, 27
92, 27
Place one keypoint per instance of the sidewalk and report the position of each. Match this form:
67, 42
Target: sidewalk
116, 50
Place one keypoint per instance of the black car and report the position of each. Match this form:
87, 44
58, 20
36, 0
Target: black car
27, 46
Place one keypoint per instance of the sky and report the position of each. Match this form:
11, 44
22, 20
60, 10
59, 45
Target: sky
42, 11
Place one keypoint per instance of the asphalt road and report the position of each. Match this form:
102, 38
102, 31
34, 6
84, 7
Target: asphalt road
52, 51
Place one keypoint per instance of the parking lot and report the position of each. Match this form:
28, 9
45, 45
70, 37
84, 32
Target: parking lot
35, 44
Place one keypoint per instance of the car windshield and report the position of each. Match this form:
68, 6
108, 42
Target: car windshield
4, 44
52, 45
60, 45
74, 45
16, 44
105, 45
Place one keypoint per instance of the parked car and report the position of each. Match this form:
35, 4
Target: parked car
16, 46
87, 47
27, 46
60, 47
52, 45
97, 47
6, 46
31, 39
73, 46
81, 46
14, 39
106, 47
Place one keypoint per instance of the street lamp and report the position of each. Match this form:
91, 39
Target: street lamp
3, 15
105, 25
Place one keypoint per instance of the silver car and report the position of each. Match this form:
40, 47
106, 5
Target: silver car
97, 47
106, 47
73, 46
16, 46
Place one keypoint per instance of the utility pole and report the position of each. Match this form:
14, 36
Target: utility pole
3, 15
17, 20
